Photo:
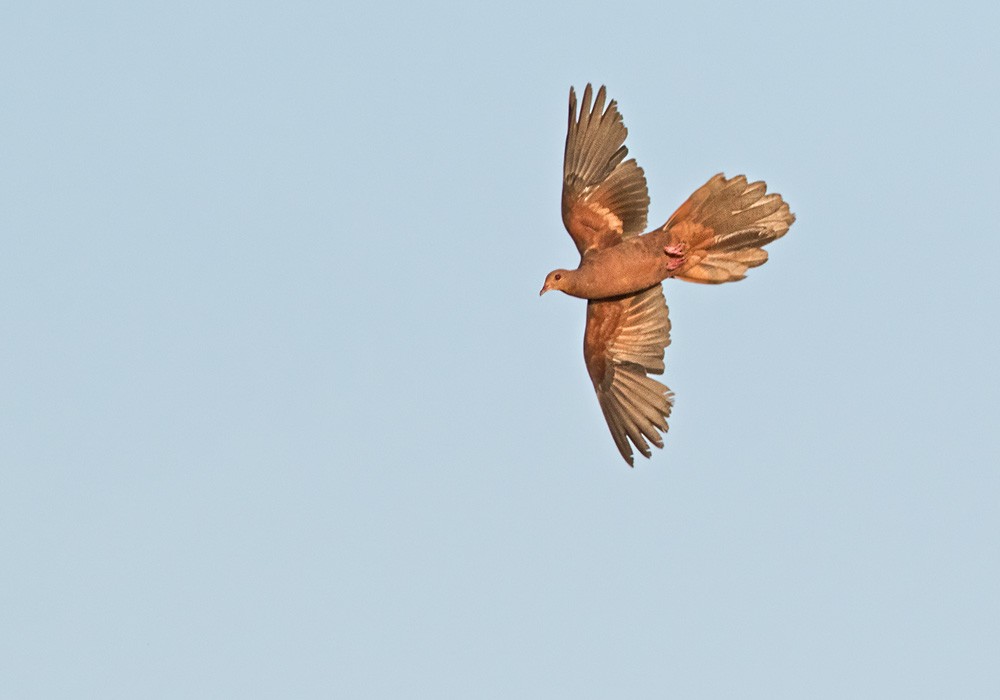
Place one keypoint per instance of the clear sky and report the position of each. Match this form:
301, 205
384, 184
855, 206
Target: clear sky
283, 414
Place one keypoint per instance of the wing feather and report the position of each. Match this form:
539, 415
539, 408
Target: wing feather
604, 196
623, 344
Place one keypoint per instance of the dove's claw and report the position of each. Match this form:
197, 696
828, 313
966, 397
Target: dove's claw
676, 254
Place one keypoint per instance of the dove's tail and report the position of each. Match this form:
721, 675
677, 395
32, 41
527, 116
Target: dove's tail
720, 231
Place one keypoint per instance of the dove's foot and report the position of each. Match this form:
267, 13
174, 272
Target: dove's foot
676, 253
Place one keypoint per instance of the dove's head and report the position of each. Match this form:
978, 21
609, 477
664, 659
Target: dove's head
555, 280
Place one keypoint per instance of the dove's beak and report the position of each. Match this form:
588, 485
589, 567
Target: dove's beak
545, 288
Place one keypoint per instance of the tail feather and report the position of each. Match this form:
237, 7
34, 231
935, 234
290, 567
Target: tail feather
723, 227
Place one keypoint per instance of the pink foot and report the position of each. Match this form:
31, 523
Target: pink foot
676, 254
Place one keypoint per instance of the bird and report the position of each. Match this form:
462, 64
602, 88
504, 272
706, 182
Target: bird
713, 237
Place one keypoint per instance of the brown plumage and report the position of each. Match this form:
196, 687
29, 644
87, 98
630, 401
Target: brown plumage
714, 237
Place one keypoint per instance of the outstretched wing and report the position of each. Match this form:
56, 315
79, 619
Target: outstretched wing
623, 343
723, 227
604, 196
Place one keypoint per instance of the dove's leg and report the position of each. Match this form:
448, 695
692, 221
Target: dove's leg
677, 254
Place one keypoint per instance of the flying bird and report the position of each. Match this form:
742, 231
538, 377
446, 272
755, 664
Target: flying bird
714, 237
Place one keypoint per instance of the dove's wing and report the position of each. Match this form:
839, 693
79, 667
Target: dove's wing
623, 343
603, 198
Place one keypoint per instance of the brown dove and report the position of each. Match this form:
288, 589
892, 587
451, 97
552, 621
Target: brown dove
714, 237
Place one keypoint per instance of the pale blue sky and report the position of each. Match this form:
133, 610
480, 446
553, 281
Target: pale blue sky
283, 415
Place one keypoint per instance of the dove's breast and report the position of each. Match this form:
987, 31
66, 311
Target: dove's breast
632, 265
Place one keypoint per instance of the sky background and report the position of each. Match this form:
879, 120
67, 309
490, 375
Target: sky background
282, 415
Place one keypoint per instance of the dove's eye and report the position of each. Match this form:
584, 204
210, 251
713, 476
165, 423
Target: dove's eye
557, 278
